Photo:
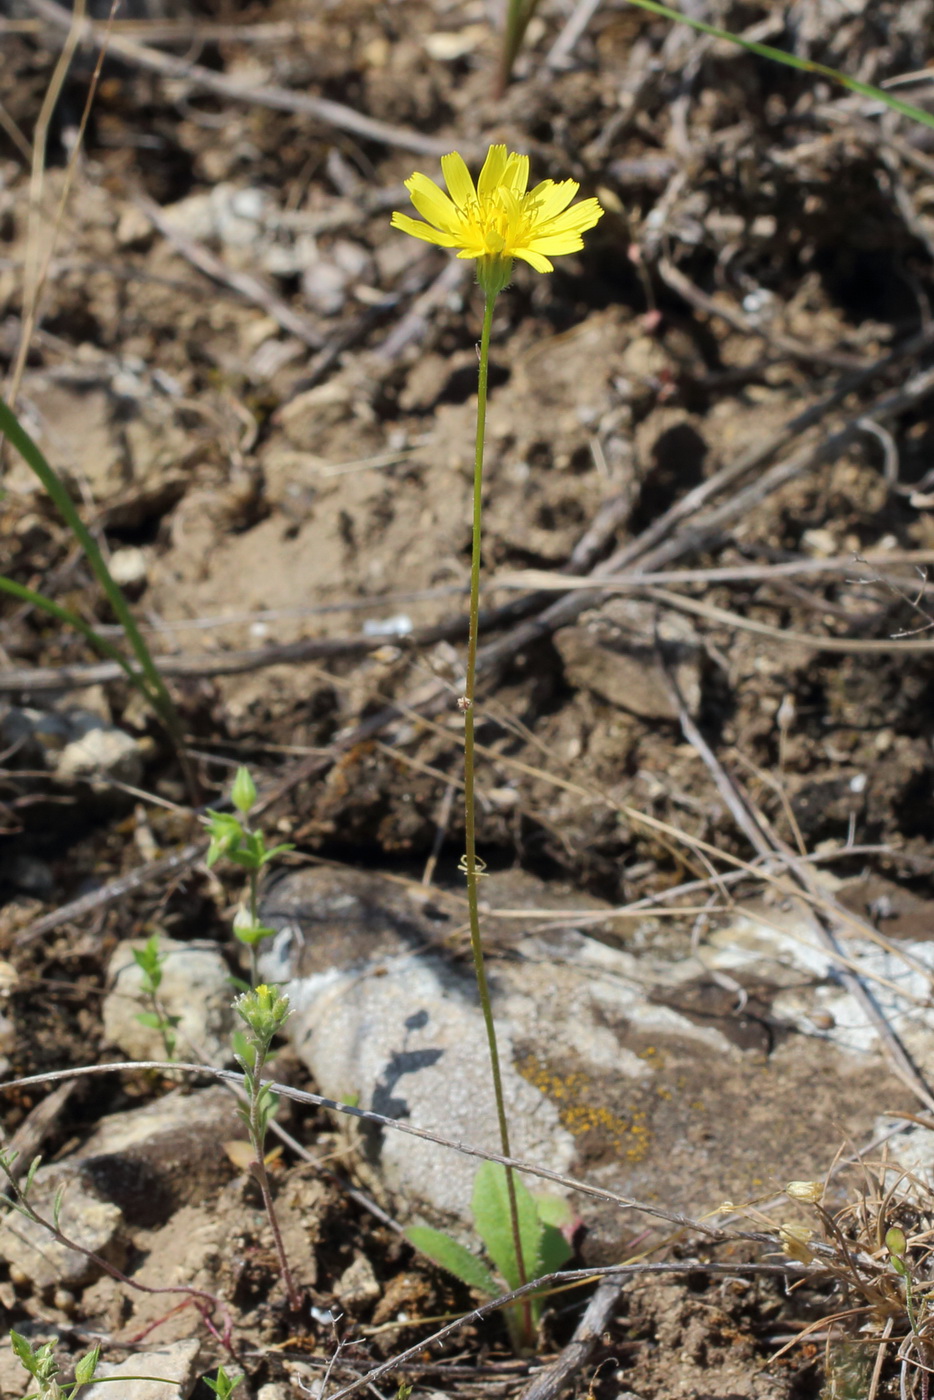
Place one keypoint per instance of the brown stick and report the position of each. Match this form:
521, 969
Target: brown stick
552, 1379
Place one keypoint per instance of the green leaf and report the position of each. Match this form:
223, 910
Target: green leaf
277, 851
555, 1215
84, 1371
31, 1176
553, 1210
553, 1251
226, 833
150, 1019
450, 1255
224, 1386
251, 934
492, 1217
244, 1051
149, 960
24, 1351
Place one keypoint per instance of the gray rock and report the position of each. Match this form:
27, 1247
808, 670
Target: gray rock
620, 652
129, 566
34, 1256
29, 875
101, 752
176, 1364
324, 287
408, 1040
151, 1160
195, 987
71, 743
678, 1076
358, 1284
327, 277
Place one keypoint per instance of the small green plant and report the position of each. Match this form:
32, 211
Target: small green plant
544, 1247
149, 960
223, 1385
234, 839
883, 1276
148, 679
264, 1010
41, 1364
897, 1245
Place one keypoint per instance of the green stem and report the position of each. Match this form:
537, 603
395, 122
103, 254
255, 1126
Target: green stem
470, 862
258, 1141
254, 919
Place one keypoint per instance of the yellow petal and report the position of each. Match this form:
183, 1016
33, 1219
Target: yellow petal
516, 174
508, 201
550, 202
492, 173
432, 203
471, 253
425, 231
557, 244
458, 180
574, 220
533, 258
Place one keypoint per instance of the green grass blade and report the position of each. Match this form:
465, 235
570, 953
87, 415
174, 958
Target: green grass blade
805, 65
155, 688
72, 619
519, 14
12, 429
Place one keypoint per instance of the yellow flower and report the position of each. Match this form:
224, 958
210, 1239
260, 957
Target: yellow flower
498, 219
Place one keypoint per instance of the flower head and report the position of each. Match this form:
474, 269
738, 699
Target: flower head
498, 219
265, 1011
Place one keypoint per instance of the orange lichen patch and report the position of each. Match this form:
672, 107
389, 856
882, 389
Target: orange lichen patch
629, 1135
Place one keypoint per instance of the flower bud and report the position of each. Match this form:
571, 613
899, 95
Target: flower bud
805, 1191
794, 1240
243, 792
265, 1011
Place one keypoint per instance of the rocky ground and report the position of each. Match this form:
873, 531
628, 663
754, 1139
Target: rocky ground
706, 670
